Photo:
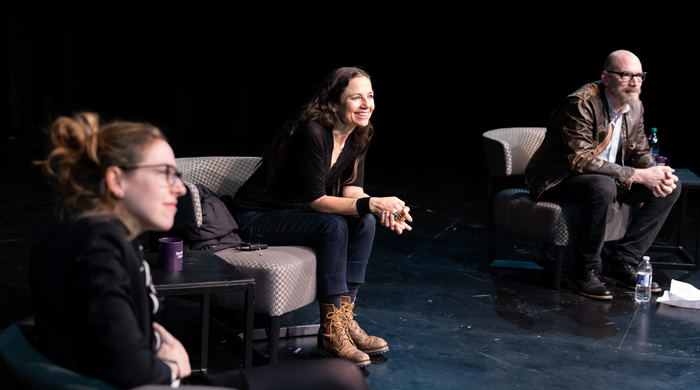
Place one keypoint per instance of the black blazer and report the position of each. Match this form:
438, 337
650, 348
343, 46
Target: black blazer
93, 308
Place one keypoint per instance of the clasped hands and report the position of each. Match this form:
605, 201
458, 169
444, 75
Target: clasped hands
392, 212
659, 179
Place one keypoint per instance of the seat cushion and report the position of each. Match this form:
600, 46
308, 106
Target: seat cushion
285, 278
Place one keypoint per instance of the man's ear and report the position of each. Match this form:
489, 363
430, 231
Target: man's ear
114, 178
604, 78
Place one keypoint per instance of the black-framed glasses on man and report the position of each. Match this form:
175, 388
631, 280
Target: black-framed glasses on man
171, 173
626, 76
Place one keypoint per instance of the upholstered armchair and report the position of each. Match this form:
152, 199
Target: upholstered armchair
25, 367
513, 210
285, 276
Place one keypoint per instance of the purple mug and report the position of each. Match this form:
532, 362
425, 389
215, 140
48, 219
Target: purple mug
170, 254
661, 160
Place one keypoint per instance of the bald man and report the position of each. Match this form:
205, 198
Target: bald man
595, 153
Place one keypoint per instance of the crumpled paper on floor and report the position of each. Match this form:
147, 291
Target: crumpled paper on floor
681, 294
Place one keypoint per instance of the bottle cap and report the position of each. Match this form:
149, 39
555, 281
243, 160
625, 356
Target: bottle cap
645, 258
653, 129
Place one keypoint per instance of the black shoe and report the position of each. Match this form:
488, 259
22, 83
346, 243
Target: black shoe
589, 284
625, 275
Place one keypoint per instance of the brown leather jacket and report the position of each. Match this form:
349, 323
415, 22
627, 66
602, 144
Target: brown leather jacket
577, 132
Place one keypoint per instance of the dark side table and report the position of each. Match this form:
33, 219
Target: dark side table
690, 182
204, 273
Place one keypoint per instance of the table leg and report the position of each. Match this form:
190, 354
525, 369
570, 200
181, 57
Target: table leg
204, 308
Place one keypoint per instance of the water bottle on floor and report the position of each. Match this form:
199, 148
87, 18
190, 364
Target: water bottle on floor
642, 293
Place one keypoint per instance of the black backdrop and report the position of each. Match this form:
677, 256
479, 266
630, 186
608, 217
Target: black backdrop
220, 80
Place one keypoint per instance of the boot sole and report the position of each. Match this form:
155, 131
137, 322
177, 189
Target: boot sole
374, 352
627, 286
327, 354
589, 295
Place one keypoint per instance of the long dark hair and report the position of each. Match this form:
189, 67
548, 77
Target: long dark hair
320, 109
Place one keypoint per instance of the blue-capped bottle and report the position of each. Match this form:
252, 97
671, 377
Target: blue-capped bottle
642, 292
654, 142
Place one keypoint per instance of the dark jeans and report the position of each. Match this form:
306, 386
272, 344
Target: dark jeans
342, 244
595, 195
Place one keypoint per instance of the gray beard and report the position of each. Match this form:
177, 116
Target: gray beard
630, 99
626, 98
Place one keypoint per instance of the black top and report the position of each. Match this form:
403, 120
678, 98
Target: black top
92, 305
305, 174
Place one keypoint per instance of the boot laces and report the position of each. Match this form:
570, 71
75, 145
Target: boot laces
349, 314
339, 327
347, 309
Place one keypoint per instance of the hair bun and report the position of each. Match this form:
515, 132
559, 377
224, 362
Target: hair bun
72, 133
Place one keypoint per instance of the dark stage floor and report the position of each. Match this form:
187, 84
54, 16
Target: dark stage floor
451, 321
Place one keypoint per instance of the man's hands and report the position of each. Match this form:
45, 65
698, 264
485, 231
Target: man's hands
660, 179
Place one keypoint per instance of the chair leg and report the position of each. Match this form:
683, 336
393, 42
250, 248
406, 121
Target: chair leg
558, 266
490, 225
274, 332
491, 244
274, 338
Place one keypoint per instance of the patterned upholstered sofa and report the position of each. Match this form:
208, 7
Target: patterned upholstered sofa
285, 276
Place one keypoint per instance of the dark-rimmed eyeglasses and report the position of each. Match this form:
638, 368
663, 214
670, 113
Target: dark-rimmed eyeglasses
626, 76
171, 173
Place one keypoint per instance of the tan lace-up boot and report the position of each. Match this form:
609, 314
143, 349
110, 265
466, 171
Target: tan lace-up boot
371, 345
333, 337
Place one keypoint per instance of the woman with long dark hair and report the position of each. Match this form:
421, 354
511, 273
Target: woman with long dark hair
314, 196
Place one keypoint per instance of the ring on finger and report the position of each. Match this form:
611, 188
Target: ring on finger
399, 217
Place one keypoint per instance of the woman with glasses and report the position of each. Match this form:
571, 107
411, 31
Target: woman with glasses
311, 193
93, 299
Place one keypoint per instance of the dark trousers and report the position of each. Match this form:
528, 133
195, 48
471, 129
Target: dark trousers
595, 195
342, 244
